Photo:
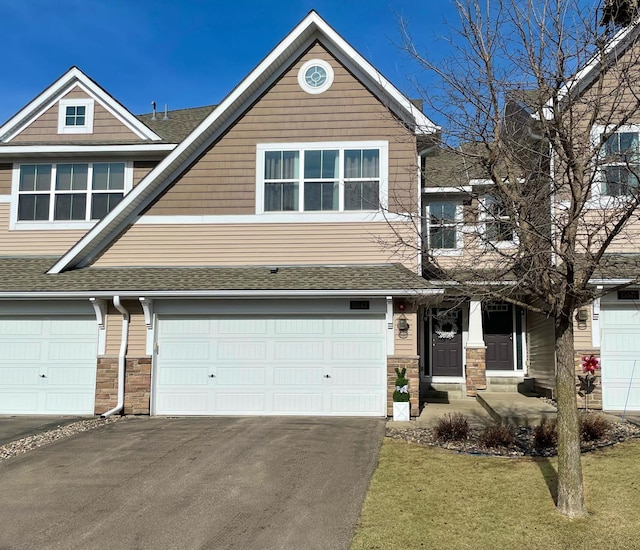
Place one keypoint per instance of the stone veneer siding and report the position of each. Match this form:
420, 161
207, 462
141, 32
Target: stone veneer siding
595, 399
137, 386
413, 375
475, 370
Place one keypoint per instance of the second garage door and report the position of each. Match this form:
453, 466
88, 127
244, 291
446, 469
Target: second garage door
280, 365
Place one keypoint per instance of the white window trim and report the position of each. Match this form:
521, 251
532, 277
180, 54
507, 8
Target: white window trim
598, 198
382, 146
320, 89
484, 218
15, 225
87, 128
457, 251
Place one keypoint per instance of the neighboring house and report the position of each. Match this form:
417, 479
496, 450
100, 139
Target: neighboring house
472, 342
213, 261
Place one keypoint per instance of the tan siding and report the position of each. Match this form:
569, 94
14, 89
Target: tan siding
136, 346
254, 244
407, 344
582, 333
5, 178
106, 127
26, 243
223, 180
541, 350
141, 169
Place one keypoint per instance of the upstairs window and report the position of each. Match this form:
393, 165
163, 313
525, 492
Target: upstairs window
75, 116
319, 178
498, 224
621, 164
444, 219
70, 192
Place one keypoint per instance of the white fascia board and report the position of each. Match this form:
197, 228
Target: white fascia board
223, 293
26, 150
170, 167
611, 282
447, 190
49, 96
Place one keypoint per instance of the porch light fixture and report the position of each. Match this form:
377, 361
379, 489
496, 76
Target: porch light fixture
403, 324
582, 315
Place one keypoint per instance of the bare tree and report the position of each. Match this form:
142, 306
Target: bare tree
533, 106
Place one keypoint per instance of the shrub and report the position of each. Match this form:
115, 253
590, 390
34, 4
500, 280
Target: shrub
497, 435
452, 427
545, 435
593, 427
401, 394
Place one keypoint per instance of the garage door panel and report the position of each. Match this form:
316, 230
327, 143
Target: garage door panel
240, 403
275, 365
355, 403
186, 350
21, 350
299, 376
186, 375
299, 350
182, 402
356, 350
298, 403
240, 376
75, 327
68, 350
69, 376
241, 350
24, 375
67, 403
18, 402
22, 328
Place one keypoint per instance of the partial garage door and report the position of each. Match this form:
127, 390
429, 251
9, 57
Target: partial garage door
48, 366
277, 365
620, 355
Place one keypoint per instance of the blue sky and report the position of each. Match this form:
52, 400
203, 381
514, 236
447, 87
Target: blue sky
189, 53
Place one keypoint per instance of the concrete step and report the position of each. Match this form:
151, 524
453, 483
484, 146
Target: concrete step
442, 393
510, 384
516, 409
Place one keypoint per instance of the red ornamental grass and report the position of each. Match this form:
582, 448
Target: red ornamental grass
590, 364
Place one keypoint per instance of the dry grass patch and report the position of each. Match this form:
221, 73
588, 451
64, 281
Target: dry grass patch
431, 498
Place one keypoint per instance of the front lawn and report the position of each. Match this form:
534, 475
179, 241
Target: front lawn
422, 497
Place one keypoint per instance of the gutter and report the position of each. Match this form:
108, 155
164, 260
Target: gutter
121, 357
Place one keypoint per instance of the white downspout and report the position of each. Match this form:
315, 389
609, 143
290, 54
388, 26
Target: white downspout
121, 357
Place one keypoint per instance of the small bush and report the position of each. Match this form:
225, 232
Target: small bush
497, 435
593, 427
452, 427
545, 435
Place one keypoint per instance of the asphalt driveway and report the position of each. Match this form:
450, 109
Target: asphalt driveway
245, 483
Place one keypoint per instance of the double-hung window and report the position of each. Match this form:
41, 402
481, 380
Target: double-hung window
498, 224
321, 177
444, 219
70, 191
620, 164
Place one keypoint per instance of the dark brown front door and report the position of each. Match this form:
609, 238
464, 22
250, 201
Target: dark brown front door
497, 324
446, 342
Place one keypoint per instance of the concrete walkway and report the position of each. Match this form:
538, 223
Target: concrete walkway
516, 409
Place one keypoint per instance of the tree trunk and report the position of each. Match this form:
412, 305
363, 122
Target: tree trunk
570, 484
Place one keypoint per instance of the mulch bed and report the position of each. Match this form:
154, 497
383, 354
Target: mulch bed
523, 443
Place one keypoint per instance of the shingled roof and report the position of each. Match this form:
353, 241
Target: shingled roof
179, 124
28, 276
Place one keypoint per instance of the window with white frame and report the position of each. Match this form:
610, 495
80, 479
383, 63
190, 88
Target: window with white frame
321, 177
75, 116
620, 163
498, 224
70, 191
443, 220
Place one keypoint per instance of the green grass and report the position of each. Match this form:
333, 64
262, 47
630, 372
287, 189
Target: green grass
424, 497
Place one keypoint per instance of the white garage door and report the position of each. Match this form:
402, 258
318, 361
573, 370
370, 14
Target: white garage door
271, 366
620, 355
48, 366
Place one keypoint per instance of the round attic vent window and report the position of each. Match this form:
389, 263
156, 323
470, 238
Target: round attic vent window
315, 76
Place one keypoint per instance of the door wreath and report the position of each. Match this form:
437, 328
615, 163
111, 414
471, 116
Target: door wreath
445, 328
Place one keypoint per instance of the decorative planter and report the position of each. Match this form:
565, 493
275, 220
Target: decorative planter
401, 411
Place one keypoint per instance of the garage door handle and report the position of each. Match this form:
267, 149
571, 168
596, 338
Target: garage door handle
43, 376
327, 376
212, 376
